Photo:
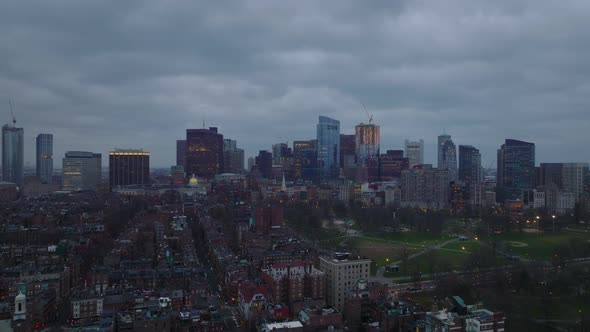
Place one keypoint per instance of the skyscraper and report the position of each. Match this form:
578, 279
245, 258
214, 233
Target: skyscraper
415, 152
367, 142
45, 158
181, 153
204, 152
81, 170
516, 170
439, 148
280, 152
447, 154
328, 147
13, 154
129, 167
470, 173
233, 158
264, 163
573, 178
347, 151
305, 155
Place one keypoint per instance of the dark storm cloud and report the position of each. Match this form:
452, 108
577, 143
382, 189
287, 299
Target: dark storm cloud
137, 73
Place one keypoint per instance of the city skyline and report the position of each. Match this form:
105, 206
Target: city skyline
418, 68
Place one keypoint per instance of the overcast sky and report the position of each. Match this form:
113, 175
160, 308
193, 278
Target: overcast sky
105, 74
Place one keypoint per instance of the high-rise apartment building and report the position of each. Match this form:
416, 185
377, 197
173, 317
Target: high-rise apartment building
328, 147
204, 152
81, 170
44, 160
13, 154
181, 152
342, 273
415, 152
447, 155
233, 158
129, 167
516, 170
367, 142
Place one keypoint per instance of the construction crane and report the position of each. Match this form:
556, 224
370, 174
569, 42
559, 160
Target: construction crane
12, 112
369, 116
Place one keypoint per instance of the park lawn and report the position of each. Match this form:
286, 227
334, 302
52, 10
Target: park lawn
467, 246
379, 251
411, 239
538, 245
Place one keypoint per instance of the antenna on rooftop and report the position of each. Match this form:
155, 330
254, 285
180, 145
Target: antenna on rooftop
203, 124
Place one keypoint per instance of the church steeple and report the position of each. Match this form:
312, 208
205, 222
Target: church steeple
20, 306
284, 184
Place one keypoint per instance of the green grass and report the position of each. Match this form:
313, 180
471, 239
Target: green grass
412, 239
538, 245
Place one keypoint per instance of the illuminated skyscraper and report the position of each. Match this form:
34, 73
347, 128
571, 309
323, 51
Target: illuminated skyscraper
367, 142
12, 154
45, 158
129, 167
328, 147
204, 152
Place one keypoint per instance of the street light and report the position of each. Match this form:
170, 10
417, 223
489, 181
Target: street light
553, 216
538, 222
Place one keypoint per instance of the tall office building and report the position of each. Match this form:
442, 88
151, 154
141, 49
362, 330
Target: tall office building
305, 163
328, 147
415, 152
81, 170
233, 158
470, 173
129, 167
13, 154
367, 142
392, 164
347, 151
45, 158
264, 164
550, 175
516, 170
281, 152
204, 152
573, 178
447, 156
181, 153
439, 148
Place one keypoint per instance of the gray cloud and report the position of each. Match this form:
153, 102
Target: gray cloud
100, 75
